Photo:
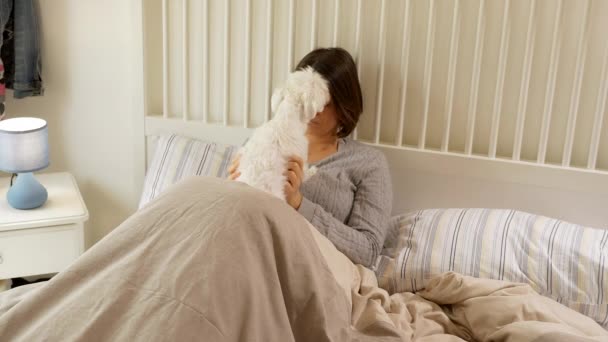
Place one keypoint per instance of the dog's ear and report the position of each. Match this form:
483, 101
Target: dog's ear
308, 108
277, 97
314, 99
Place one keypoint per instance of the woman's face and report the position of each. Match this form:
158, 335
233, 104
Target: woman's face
325, 122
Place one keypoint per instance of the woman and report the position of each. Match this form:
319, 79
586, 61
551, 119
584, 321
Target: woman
349, 198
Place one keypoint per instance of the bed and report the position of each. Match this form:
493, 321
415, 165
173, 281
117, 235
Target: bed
217, 260
472, 158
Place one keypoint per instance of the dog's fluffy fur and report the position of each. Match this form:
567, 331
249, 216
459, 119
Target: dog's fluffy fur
264, 157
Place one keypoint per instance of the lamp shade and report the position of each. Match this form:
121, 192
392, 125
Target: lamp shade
24, 145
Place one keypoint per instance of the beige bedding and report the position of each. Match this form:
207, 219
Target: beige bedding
213, 260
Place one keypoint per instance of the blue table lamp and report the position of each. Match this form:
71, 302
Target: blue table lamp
24, 148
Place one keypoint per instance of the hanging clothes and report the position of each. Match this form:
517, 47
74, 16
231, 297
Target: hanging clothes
20, 49
6, 9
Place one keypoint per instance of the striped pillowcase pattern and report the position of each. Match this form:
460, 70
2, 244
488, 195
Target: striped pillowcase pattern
178, 157
560, 260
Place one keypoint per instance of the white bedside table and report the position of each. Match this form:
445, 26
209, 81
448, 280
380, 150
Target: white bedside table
46, 239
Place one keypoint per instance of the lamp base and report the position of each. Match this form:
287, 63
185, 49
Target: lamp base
26, 192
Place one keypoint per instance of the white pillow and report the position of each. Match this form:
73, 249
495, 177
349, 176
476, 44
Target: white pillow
177, 157
560, 260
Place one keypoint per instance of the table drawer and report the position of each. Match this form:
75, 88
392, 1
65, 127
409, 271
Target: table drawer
27, 252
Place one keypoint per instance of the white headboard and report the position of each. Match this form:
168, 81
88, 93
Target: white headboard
475, 103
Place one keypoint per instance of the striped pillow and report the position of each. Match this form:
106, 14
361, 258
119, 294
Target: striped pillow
177, 157
560, 260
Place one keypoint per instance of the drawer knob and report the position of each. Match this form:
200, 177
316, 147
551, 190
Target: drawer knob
1, 259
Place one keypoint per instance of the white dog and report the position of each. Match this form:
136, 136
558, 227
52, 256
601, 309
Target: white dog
264, 157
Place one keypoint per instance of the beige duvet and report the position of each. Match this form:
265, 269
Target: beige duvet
212, 260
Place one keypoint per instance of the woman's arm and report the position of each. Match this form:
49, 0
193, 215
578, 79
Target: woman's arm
362, 238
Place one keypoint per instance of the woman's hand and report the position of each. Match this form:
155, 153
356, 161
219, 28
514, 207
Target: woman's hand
295, 176
232, 170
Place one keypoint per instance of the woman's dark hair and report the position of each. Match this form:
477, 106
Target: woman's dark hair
337, 66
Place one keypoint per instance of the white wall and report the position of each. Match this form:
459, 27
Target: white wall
92, 100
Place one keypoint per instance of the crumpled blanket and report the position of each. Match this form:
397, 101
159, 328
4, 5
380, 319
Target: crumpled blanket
215, 260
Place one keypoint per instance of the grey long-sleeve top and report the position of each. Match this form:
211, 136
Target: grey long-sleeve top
349, 200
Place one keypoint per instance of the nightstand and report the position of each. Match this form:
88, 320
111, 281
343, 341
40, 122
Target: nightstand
46, 239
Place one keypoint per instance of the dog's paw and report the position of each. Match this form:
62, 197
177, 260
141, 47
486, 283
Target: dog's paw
310, 171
